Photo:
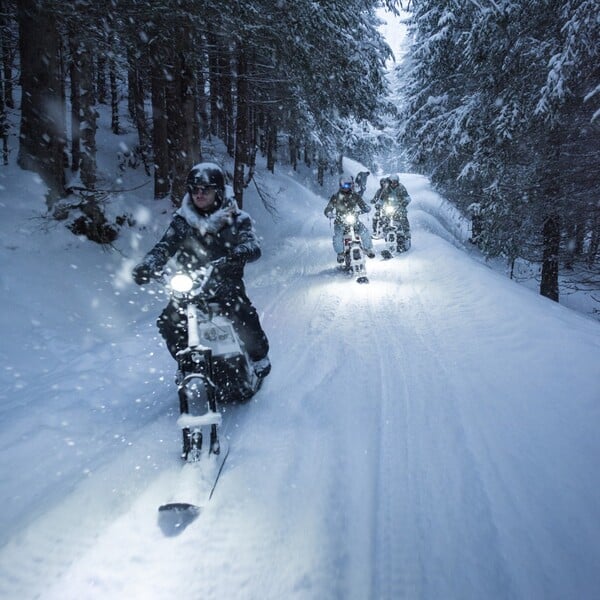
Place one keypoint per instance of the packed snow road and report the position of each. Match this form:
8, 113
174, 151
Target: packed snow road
432, 434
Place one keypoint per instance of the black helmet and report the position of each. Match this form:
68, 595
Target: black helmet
207, 175
346, 183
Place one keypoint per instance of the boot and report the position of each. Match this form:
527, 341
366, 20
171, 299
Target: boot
262, 367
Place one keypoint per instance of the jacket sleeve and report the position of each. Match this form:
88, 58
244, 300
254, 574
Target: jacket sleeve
168, 245
363, 206
247, 247
330, 207
404, 196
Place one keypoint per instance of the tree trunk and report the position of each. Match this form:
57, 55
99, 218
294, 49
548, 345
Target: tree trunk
242, 126
7, 56
131, 83
293, 151
594, 240
114, 97
42, 131
216, 81
182, 120
321, 166
75, 72
88, 117
160, 142
3, 125
226, 114
308, 154
271, 146
551, 241
136, 87
101, 77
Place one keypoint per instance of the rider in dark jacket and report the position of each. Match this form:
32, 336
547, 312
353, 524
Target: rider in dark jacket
397, 199
207, 227
347, 201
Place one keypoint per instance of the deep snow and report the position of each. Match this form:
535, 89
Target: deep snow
433, 434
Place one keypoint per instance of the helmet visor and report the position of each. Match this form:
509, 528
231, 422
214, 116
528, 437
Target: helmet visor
200, 189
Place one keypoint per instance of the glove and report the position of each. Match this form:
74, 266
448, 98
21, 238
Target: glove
240, 253
228, 266
219, 262
142, 273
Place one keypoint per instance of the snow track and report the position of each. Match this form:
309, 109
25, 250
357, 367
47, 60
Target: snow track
389, 454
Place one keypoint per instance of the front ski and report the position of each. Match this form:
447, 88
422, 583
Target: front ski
196, 486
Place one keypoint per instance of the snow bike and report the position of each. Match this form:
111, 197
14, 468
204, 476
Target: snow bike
377, 224
395, 238
213, 368
353, 253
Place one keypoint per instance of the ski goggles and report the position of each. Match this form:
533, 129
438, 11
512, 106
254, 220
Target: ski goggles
201, 189
346, 186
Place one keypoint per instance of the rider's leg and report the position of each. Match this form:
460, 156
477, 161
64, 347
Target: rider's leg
365, 238
172, 325
237, 306
338, 238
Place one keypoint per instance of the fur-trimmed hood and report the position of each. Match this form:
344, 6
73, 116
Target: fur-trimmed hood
212, 222
195, 239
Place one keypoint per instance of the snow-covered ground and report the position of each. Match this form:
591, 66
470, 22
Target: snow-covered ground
433, 434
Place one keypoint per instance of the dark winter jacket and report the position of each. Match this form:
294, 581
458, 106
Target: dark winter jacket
396, 196
341, 204
195, 239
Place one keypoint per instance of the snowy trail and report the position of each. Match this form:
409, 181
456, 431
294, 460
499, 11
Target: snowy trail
384, 458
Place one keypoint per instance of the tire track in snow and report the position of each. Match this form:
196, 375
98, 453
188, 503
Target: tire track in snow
59, 536
443, 469
395, 564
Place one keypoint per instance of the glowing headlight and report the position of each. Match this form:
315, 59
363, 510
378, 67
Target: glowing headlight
350, 219
389, 210
182, 282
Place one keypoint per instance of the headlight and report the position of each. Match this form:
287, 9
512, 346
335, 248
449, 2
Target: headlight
182, 283
350, 219
389, 210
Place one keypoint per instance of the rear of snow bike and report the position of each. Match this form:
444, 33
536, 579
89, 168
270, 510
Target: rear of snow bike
395, 238
354, 253
214, 367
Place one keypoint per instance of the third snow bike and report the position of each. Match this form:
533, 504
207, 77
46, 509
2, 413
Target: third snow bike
395, 238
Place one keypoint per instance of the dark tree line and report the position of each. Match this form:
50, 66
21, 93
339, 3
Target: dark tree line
502, 108
248, 72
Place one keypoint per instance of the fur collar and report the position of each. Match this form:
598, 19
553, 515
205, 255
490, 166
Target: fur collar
211, 223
